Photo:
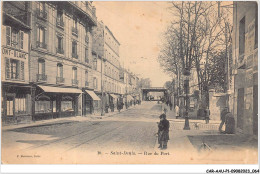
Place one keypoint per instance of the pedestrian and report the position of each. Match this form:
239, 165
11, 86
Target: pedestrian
223, 119
177, 112
170, 103
163, 132
207, 113
230, 124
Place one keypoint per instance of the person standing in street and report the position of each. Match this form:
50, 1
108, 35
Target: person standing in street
177, 112
223, 119
163, 132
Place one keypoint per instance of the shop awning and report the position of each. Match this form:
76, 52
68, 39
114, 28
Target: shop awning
92, 95
113, 96
60, 90
129, 97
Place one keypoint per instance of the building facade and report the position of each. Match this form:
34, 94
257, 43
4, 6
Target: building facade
61, 58
244, 91
107, 47
16, 91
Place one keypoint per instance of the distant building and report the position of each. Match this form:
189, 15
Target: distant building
244, 91
107, 46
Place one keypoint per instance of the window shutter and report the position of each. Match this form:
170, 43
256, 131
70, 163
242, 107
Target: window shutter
61, 71
8, 36
22, 70
7, 68
18, 73
43, 68
21, 39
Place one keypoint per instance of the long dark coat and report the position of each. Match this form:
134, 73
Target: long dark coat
163, 130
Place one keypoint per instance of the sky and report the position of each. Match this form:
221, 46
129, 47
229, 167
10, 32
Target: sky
139, 27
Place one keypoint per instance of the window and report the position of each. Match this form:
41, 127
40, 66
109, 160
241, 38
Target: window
60, 18
14, 69
15, 38
86, 55
86, 78
74, 24
74, 49
41, 6
60, 44
95, 83
59, 70
41, 37
242, 36
95, 63
41, 68
74, 73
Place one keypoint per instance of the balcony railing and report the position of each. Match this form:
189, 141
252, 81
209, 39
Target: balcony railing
41, 45
41, 77
74, 31
59, 50
41, 14
74, 82
86, 83
60, 80
60, 24
74, 55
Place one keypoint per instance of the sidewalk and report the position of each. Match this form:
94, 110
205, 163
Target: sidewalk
61, 120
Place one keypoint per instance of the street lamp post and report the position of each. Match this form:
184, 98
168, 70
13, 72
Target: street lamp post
186, 74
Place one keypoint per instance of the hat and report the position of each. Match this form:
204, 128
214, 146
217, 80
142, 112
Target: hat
162, 116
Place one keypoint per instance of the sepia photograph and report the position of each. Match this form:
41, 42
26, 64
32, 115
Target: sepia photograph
129, 82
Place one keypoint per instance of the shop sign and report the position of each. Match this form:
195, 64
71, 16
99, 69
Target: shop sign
14, 53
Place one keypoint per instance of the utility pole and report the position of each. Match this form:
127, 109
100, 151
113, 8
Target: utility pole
102, 90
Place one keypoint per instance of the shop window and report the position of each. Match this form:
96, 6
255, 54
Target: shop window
67, 104
10, 105
43, 105
20, 104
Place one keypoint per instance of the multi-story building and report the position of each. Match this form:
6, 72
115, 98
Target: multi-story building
244, 91
61, 58
16, 91
107, 46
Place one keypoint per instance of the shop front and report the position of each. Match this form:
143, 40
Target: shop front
91, 102
113, 102
55, 102
16, 103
